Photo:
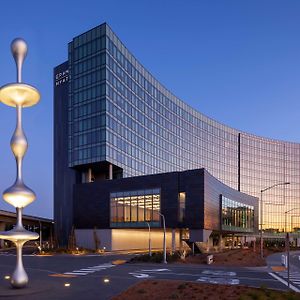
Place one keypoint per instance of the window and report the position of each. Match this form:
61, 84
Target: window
237, 216
135, 208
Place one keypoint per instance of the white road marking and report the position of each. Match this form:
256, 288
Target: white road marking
284, 282
294, 276
82, 271
218, 273
155, 270
89, 270
226, 277
140, 275
74, 273
234, 281
219, 280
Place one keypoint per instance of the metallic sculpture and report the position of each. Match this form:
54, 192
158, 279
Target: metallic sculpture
19, 95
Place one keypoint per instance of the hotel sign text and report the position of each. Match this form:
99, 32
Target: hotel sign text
61, 77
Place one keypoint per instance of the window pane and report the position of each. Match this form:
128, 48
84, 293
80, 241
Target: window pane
141, 210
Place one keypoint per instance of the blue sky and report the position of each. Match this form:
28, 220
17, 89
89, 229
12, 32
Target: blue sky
236, 61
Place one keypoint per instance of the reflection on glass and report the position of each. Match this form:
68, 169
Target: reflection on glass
237, 216
141, 209
120, 113
134, 208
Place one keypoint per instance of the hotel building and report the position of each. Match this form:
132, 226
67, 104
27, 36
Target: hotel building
113, 121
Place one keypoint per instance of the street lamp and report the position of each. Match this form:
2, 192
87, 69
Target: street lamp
287, 243
150, 254
261, 214
165, 245
40, 223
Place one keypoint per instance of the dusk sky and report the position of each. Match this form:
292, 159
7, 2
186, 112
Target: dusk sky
235, 61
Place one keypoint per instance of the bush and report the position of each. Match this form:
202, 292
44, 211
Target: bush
157, 257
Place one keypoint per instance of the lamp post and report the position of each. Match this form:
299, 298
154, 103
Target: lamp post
40, 223
165, 244
150, 254
261, 215
287, 243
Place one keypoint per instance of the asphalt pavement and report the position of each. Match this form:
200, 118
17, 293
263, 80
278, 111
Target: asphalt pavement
279, 271
101, 277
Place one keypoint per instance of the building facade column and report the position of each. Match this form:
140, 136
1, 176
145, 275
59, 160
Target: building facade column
2, 228
110, 172
89, 175
221, 242
173, 240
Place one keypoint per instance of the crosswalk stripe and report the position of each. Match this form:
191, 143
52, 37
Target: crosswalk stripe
283, 281
82, 271
75, 273
294, 277
89, 270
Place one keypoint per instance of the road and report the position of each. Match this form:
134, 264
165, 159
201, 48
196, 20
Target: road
282, 275
97, 277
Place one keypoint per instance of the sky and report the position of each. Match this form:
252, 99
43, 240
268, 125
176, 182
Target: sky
235, 61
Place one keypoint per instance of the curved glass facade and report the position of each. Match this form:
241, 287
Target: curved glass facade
119, 113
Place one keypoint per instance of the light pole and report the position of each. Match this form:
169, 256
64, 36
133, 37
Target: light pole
40, 223
165, 244
150, 254
261, 215
287, 243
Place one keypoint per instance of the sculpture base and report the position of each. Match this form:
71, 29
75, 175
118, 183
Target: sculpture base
32, 288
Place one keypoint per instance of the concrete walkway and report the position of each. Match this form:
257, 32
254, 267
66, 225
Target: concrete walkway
278, 270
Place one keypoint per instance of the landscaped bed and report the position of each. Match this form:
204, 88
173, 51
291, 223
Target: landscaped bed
235, 257
169, 289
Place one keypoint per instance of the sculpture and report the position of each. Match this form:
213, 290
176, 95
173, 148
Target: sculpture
19, 95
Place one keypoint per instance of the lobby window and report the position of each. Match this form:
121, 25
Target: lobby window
135, 208
237, 216
181, 207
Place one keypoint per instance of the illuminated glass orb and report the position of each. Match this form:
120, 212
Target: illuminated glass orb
21, 94
19, 195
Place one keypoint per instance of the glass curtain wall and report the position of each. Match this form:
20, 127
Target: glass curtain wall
135, 208
237, 216
120, 113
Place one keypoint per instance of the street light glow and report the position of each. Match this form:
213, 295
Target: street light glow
7, 277
67, 284
106, 280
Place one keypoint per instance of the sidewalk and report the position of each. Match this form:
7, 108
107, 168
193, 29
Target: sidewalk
274, 261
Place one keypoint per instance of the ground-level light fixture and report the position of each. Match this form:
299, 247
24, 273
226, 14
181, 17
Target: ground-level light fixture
67, 284
7, 277
106, 280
